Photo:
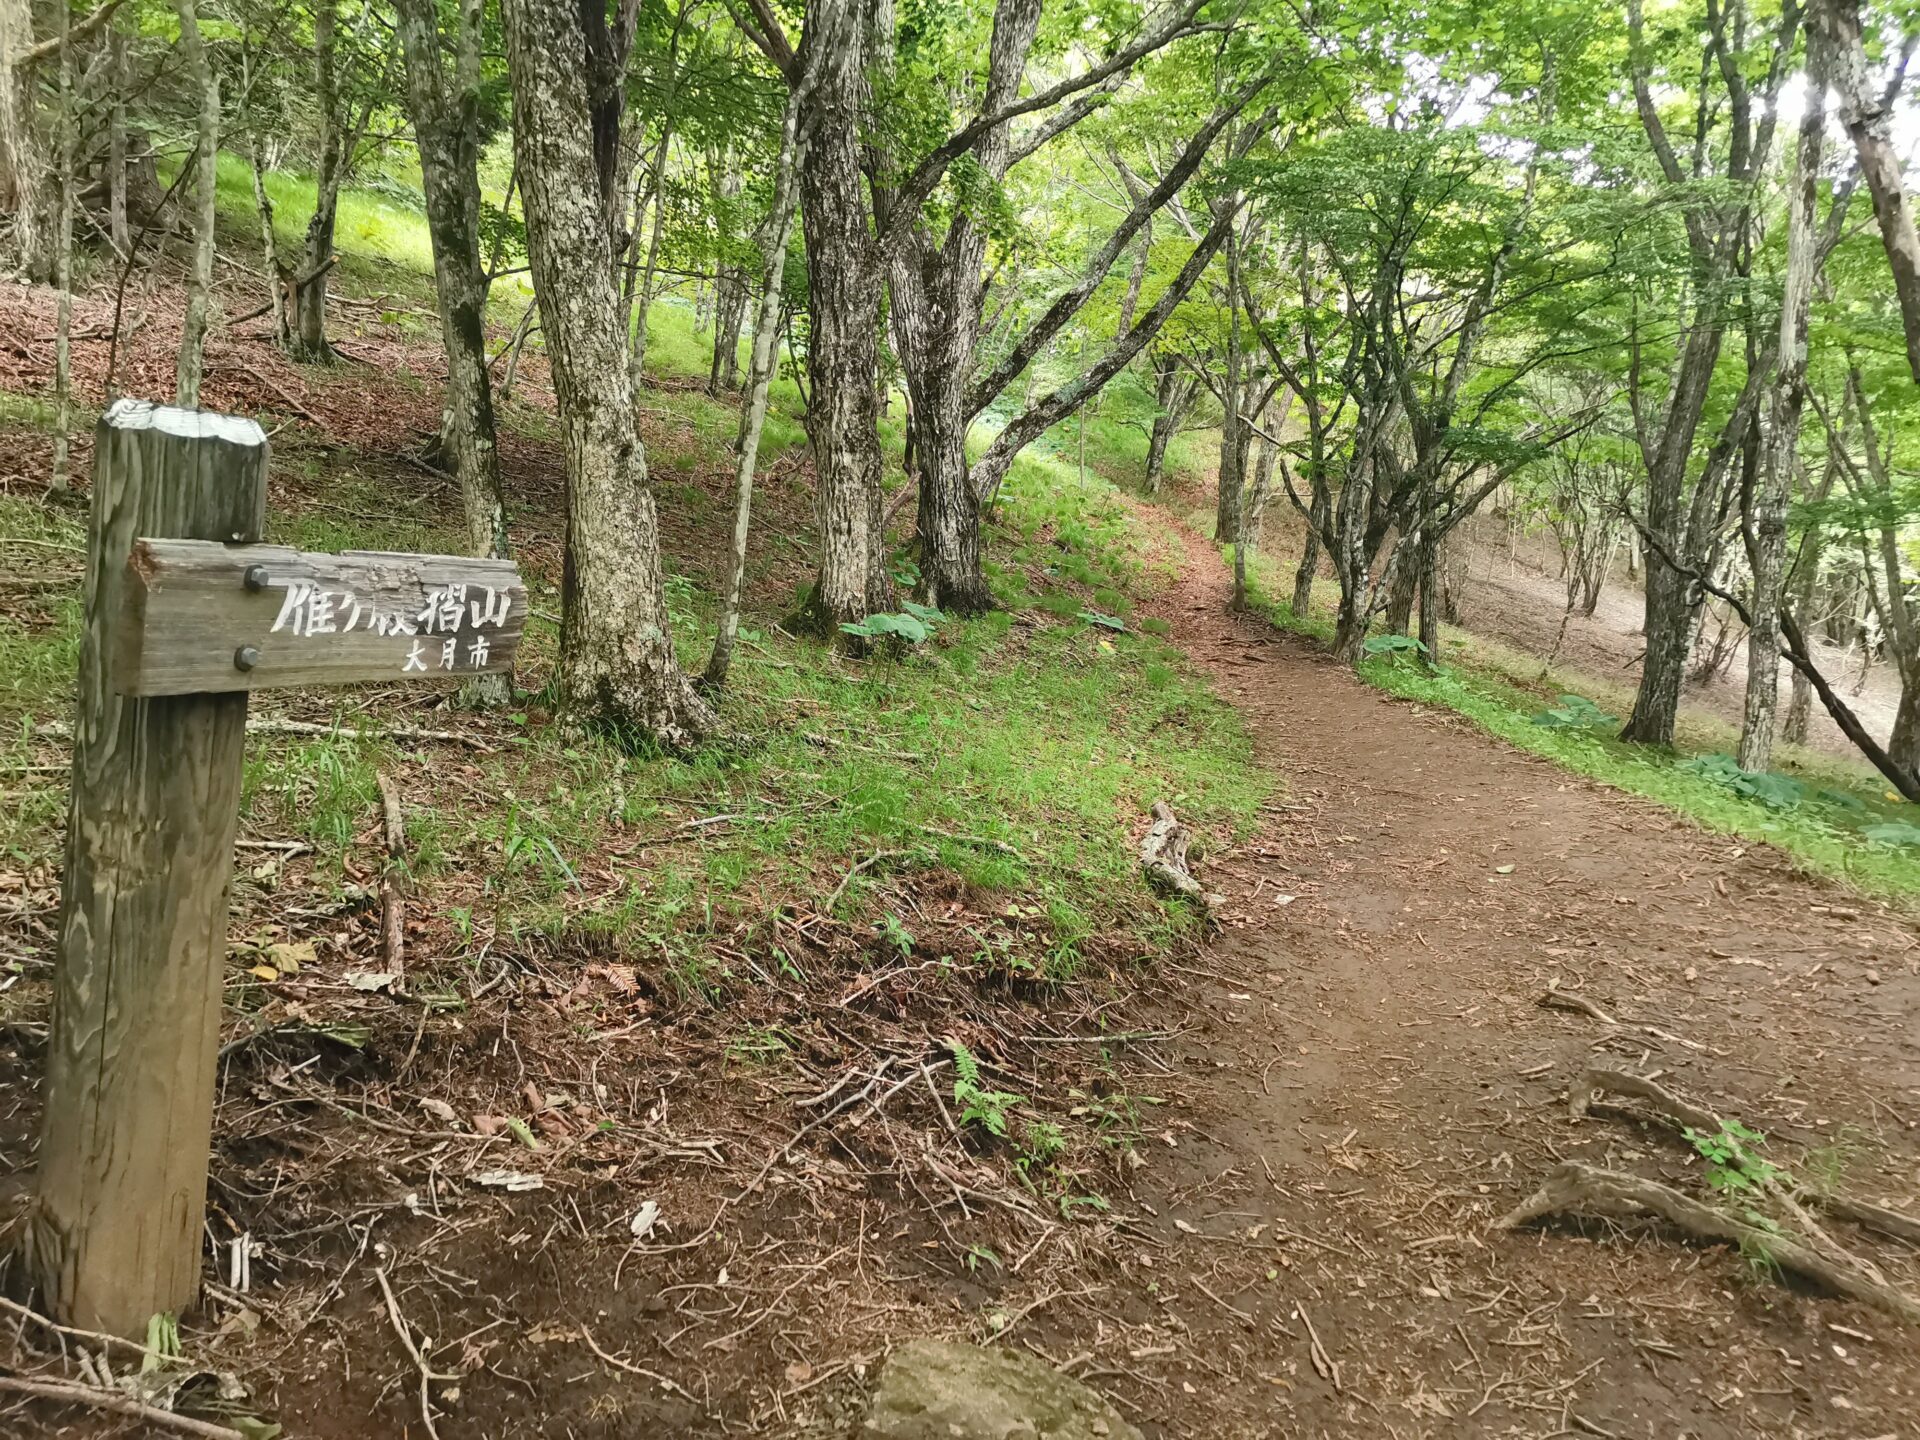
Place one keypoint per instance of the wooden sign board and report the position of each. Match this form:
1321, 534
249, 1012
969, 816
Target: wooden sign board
203, 617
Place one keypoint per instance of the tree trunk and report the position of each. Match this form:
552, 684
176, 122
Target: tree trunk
118, 81
1173, 396
1670, 600
1767, 546
446, 130
1319, 509
1406, 584
765, 357
22, 166
1869, 122
617, 663
1233, 450
278, 276
1903, 747
1429, 569
641, 292
58, 480
1805, 586
308, 321
193, 333
844, 304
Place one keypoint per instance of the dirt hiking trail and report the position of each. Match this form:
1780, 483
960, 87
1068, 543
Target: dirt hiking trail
1372, 1080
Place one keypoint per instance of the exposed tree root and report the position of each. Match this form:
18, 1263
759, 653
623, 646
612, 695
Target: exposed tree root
1574, 1188
1661, 1103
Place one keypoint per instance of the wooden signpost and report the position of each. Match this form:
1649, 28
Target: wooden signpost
186, 611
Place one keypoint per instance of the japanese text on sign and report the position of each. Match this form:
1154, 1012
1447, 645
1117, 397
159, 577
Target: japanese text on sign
457, 616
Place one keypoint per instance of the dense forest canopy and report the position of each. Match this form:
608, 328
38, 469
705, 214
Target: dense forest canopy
1646, 273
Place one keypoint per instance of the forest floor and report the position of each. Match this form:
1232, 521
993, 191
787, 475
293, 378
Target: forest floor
660, 1136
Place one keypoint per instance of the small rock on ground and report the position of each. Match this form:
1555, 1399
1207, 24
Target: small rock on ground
938, 1390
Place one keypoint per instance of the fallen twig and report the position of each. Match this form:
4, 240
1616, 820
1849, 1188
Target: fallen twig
393, 903
92, 1396
413, 1352
1323, 1363
62, 730
662, 1381
859, 868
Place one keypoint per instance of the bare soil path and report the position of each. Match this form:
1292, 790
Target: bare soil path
1374, 1080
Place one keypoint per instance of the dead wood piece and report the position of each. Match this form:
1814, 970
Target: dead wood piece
1558, 999
1163, 855
112, 1400
1576, 1188
393, 903
1881, 1219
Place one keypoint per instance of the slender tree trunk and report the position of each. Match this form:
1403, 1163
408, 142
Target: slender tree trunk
1767, 546
58, 481
1805, 586
1173, 396
617, 664
1253, 510
446, 121
118, 80
278, 276
1319, 509
761, 364
843, 352
642, 291
1232, 477
308, 321
520, 333
193, 334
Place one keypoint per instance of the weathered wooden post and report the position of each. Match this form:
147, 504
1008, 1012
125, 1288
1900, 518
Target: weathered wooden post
185, 615
115, 1234
186, 612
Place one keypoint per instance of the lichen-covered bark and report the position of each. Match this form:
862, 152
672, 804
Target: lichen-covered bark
617, 664
446, 115
845, 276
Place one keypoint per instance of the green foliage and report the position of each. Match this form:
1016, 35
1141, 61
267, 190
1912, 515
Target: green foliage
979, 1105
911, 625
1391, 646
1575, 712
1734, 1167
1894, 832
1777, 792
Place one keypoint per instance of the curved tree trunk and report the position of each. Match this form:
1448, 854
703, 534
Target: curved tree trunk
617, 663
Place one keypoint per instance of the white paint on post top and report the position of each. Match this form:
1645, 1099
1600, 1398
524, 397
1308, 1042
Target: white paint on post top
129, 414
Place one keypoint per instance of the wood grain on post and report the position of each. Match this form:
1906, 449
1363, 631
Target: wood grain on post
115, 1233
